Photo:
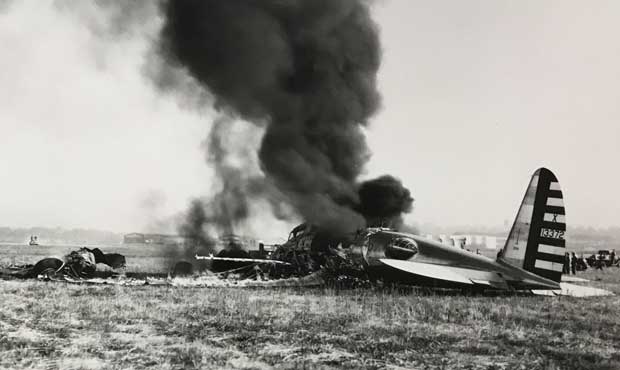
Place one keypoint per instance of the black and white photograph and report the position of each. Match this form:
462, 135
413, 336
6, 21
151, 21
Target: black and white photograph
309, 184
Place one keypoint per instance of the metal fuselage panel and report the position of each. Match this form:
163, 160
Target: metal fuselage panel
470, 265
429, 251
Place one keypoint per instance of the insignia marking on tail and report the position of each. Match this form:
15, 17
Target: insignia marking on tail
554, 217
536, 241
546, 242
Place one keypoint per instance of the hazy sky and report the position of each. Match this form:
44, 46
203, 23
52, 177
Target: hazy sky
476, 96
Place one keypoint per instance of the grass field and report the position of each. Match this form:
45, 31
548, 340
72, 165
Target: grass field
46, 325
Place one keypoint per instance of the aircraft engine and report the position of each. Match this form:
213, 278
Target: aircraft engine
401, 249
371, 246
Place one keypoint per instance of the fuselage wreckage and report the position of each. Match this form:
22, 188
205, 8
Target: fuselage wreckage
531, 259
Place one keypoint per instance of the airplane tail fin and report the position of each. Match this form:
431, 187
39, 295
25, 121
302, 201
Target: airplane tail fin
536, 242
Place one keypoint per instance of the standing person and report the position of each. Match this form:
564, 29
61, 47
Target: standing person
599, 262
566, 266
612, 257
573, 263
582, 265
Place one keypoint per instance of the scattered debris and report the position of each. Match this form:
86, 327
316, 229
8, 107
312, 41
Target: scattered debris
202, 281
78, 264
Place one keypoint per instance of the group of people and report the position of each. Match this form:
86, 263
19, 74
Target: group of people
603, 259
572, 263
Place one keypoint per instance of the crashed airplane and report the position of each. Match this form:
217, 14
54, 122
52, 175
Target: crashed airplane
531, 259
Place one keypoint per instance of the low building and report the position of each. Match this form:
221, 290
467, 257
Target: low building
155, 239
133, 238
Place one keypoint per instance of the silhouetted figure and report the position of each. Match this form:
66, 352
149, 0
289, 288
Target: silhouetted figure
566, 266
261, 250
599, 261
581, 263
612, 257
573, 263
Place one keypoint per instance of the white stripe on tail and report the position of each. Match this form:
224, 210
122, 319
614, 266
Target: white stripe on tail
536, 242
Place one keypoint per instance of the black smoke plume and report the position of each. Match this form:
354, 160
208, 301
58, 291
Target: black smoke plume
193, 227
303, 69
383, 201
235, 183
305, 72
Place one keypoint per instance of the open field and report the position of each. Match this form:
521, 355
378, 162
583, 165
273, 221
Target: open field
47, 325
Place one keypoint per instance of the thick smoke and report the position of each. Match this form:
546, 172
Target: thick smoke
383, 201
305, 72
235, 183
237, 177
193, 227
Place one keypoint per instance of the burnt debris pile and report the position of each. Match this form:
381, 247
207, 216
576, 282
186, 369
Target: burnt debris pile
78, 264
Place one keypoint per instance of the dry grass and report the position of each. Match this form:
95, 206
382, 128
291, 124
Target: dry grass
55, 325
45, 325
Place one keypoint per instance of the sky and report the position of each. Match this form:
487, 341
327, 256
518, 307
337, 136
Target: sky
476, 96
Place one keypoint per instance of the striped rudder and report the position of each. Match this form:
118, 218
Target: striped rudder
536, 242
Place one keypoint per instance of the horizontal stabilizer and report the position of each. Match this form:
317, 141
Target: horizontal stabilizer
573, 290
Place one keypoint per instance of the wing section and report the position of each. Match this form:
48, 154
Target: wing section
448, 273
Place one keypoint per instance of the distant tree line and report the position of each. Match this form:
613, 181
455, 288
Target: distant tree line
589, 232
59, 235
574, 232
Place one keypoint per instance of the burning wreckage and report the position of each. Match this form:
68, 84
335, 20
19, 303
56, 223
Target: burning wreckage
308, 252
303, 73
79, 264
531, 259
